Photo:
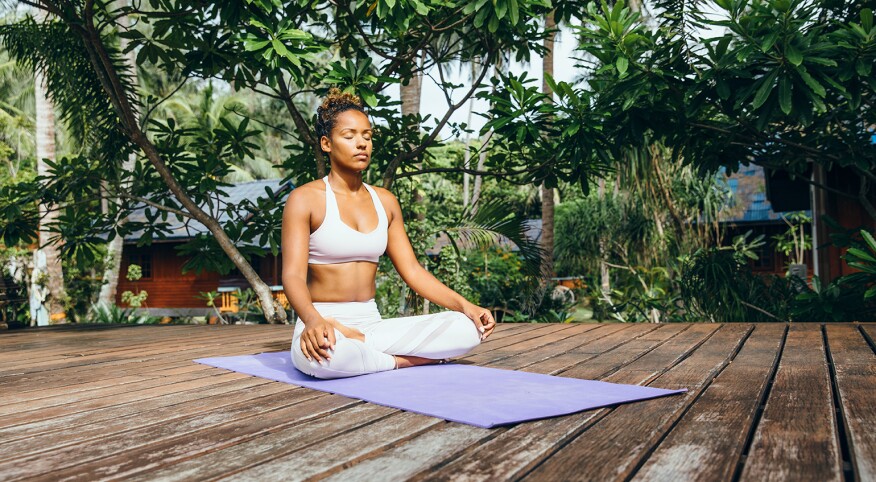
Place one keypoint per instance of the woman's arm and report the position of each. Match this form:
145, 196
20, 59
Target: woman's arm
421, 281
295, 242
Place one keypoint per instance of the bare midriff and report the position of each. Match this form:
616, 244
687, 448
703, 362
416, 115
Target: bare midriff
353, 281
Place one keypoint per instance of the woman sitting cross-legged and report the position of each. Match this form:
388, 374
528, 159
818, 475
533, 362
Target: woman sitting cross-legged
334, 231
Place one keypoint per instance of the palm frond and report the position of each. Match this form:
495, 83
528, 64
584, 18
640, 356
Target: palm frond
494, 223
55, 50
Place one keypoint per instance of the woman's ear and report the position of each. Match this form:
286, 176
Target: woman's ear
325, 144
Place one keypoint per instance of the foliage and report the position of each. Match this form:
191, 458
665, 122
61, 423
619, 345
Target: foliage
863, 257
134, 300
794, 241
248, 308
112, 314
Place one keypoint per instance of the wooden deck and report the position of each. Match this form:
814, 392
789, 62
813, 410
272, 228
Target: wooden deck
765, 402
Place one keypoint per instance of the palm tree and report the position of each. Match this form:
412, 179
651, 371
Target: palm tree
45, 150
547, 193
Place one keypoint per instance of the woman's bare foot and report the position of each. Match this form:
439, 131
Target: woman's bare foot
346, 330
406, 361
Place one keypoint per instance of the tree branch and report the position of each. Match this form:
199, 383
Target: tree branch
301, 125
389, 174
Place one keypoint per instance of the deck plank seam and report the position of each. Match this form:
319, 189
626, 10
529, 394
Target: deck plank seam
608, 410
761, 406
317, 395
590, 356
617, 368
708, 382
867, 337
331, 470
44, 432
844, 440
140, 427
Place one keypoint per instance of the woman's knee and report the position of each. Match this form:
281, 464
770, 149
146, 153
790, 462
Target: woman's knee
463, 330
349, 358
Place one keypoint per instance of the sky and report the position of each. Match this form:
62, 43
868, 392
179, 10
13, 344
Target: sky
433, 102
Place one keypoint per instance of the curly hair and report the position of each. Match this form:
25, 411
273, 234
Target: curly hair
335, 103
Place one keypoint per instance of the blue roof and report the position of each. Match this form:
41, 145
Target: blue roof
748, 202
188, 228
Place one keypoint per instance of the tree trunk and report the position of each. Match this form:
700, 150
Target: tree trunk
411, 95
547, 194
115, 89
45, 149
114, 249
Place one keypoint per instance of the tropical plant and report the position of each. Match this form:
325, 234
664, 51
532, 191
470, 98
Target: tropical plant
794, 241
113, 314
138, 299
863, 258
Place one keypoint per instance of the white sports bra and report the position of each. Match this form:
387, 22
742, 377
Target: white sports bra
334, 242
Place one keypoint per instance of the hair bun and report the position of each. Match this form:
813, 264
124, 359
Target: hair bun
335, 103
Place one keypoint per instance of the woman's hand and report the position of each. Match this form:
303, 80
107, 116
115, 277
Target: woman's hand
317, 339
482, 318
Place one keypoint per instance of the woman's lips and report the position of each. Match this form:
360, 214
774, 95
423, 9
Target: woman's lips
361, 156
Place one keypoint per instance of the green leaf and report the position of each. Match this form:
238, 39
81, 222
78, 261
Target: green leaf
868, 238
769, 41
867, 19
622, 64
368, 96
793, 55
494, 24
812, 83
785, 95
763, 92
513, 12
860, 254
279, 47
501, 8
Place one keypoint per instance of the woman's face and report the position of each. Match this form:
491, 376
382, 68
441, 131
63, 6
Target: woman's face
350, 143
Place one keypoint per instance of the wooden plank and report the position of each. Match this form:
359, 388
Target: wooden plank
73, 343
377, 437
118, 399
523, 446
493, 356
626, 434
446, 442
797, 436
126, 420
76, 378
708, 442
38, 427
599, 342
854, 368
231, 459
623, 355
402, 461
532, 356
83, 460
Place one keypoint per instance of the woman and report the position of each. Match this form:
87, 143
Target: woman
334, 231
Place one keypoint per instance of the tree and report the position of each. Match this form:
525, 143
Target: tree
45, 151
262, 46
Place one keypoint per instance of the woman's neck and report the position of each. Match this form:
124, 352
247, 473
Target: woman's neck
346, 180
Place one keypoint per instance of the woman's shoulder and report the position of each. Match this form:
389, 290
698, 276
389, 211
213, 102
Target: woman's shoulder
385, 195
312, 188
306, 196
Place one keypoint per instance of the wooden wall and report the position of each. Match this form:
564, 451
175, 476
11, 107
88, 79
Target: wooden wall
850, 213
169, 288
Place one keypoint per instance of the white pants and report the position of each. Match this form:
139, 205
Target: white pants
436, 336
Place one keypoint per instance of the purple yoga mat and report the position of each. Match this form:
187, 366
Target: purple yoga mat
480, 396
